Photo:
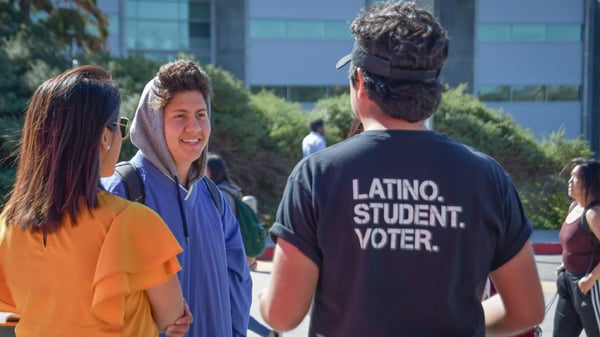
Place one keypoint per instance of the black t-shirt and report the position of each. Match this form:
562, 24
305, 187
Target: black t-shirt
405, 227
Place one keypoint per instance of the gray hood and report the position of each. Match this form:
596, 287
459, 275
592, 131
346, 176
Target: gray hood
147, 134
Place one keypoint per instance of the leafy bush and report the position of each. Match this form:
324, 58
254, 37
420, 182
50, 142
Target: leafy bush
10, 133
285, 122
338, 116
534, 166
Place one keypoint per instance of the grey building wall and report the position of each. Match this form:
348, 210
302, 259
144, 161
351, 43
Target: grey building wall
532, 62
299, 61
304, 62
458, 18
230, 24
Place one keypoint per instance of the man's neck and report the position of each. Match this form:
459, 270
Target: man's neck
373, 118
389, 123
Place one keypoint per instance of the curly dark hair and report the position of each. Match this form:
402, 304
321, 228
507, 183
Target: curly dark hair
179, 76
411, 39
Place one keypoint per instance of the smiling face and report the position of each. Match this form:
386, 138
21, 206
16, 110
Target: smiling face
187, 128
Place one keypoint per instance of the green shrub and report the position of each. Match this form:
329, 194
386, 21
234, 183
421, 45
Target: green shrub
534, 166
338, 117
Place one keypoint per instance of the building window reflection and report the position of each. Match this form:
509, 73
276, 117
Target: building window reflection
528, 93
171, 26
302, 94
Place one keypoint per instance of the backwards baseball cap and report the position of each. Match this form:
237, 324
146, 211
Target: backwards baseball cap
382, 67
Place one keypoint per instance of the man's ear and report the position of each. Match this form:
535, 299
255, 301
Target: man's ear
360, 82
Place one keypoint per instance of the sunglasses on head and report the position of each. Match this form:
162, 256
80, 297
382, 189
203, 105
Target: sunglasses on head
123, 124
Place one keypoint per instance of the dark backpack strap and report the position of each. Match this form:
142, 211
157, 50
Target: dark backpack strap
132, 181
214, 193
586, 228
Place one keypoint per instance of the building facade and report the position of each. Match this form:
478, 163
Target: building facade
536, 60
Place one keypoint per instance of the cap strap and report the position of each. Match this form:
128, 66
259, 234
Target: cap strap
382, 67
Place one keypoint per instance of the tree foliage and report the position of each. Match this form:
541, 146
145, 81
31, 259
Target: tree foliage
336, 111
67, 23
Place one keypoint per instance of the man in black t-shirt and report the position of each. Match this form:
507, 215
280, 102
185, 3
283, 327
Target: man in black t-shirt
393, 232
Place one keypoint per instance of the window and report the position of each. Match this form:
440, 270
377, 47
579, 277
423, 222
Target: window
563, 33
167, 27
493, 32
563, 93
527, 93
494, 93
303, 94
528, 32
153, 10
267, 29
113, 24
299, 29
337, 31
200, 30
307, 94
200, 11
154, 35
306, 30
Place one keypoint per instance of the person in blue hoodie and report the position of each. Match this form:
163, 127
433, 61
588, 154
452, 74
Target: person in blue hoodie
171, 129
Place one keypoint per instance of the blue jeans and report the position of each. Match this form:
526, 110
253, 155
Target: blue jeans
257, 327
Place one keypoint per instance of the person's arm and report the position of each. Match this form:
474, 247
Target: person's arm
293, 282
166, 301
587, 282
519, 302
181, 325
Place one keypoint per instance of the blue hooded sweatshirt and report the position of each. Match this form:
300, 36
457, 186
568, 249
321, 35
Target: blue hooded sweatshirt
215, 277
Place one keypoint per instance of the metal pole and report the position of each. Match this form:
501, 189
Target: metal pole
590, 99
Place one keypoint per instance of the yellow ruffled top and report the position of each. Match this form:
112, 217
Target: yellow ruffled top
90, 278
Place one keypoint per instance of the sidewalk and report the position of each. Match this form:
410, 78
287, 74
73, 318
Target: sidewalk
545, 242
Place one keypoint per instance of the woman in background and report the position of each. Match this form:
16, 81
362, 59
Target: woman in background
76, 260
578, 306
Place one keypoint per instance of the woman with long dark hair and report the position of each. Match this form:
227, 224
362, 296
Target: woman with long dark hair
76, 260
578, 306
